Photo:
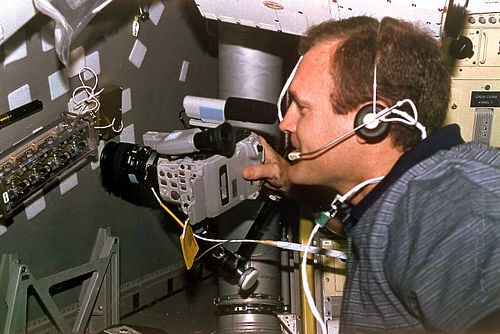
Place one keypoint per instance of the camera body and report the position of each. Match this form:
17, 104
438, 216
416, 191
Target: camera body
207, 187
202, 184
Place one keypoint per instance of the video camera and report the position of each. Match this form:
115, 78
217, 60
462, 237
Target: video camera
199, 170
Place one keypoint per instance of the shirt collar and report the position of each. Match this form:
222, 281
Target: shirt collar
442, 139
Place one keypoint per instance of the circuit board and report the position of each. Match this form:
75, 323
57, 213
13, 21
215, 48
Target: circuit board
37, 161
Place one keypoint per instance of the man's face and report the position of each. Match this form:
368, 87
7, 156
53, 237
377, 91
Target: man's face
312, 123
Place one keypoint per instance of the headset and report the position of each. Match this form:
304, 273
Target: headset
372, 121
371, 126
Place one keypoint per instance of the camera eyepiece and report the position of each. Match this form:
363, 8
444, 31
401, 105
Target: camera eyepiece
219, 140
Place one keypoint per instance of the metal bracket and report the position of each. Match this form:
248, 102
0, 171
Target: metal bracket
16, 279
110, 113
289, 322
483, 122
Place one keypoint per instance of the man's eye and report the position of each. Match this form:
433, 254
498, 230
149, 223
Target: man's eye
289, 104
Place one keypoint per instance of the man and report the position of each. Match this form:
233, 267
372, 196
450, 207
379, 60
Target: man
424, 243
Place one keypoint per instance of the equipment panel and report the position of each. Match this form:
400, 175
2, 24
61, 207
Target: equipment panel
296, 16
475, 57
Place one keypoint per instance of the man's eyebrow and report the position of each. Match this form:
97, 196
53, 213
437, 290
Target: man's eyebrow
300, 101
295, 97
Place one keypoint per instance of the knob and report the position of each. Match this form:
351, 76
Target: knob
248, 278
461, 48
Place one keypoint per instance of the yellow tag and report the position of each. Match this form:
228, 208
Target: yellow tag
189, 245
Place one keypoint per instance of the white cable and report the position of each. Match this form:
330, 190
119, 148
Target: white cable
197, 236
101, 6
374, 102
184, 228
156, 195
406, 118
422, 129
280, 244
312, 249
360, 186
111, 125
305, 283
285, 88
89, 104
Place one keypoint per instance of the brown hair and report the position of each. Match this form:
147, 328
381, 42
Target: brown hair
408, 67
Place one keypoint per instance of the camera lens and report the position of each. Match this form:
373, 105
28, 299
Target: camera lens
129, 162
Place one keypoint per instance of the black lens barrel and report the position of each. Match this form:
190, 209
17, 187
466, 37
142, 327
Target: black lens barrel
220, 140
124, 161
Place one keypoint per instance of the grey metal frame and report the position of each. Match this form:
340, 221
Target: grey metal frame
99, 293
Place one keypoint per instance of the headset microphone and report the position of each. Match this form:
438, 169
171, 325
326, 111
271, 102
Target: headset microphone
294, 156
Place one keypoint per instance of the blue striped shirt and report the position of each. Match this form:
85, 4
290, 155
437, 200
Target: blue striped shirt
425, 253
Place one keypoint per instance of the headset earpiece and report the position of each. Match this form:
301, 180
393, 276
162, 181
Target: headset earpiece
374, 129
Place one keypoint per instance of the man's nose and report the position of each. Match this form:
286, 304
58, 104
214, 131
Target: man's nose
289, 121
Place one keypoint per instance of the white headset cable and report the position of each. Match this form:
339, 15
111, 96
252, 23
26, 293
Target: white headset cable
331, 214
305, 282
285, 89
406, 118
374, 95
